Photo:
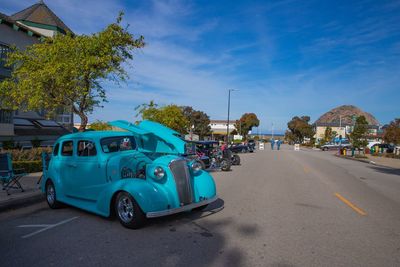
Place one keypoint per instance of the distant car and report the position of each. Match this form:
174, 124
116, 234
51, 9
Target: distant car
332, 146
251, 143
388, 148
240, 148
372, 143
133, 173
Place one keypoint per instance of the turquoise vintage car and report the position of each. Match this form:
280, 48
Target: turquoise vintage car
138, 173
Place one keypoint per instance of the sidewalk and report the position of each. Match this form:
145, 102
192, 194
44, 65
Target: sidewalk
383, 161
32, 193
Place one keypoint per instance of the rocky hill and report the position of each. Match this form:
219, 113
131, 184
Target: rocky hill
346, 112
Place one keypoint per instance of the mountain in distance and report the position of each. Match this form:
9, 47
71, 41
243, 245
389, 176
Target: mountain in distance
345, 113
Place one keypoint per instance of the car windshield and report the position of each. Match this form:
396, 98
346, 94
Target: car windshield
190, 148
118, 143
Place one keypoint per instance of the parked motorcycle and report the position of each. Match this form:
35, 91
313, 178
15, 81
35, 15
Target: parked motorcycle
219, 160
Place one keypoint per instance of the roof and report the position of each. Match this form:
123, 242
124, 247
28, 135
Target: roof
204, 142
95, 134
8, 20
40, 13
222, 121
32, 127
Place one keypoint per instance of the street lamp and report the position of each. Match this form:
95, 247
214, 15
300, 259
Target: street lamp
229, 107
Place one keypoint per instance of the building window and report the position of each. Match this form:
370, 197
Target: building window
4, 49
5, 116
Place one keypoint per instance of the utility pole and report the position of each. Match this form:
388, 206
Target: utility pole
272, 131
229, 107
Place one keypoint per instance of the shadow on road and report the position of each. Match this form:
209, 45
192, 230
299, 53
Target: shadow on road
386, 170
196, 238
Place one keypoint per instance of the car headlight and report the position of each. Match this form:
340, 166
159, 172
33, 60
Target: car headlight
159, 173
196, 166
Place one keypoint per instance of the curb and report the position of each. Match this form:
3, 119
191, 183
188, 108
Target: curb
22, 202
360, 160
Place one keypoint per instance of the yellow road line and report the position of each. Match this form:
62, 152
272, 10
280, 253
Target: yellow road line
351, 205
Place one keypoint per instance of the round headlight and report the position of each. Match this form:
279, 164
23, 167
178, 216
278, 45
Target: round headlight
159, 173
196, 166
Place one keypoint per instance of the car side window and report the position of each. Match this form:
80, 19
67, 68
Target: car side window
56, 149
86, 148
67, 148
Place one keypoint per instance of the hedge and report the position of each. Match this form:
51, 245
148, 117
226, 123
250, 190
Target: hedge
33, 154
28, 166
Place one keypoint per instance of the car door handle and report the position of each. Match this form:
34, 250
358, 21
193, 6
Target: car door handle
71, 165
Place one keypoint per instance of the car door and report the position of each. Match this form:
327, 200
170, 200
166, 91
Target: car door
90, 172
68, 168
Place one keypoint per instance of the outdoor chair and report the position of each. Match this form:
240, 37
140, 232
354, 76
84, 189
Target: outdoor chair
45, 164
10, 177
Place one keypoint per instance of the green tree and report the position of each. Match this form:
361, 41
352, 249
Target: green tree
392, 132
171, 116
66, 71
149, 108
289, 137
358, 135
199, 120
246, 122
100, 126
300, 128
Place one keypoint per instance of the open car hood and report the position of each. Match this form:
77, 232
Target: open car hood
154, 137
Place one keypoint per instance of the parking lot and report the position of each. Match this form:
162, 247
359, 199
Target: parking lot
279, 208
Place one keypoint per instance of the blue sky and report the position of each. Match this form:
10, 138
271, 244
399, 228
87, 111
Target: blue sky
285, 58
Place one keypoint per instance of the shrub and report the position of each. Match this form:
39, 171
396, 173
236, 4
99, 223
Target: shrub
8, 144
28, 166
36, 142
27, 155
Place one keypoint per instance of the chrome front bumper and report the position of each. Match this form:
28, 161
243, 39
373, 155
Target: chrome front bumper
155, 214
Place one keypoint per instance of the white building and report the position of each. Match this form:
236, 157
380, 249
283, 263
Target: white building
219, 127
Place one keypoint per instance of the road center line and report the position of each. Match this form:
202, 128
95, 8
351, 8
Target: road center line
46, 227
351, 205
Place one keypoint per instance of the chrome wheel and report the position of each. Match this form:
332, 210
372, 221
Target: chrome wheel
125, 209
51, 194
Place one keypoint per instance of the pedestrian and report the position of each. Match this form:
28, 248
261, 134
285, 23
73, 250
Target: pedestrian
224, 146
279, 144
272, 143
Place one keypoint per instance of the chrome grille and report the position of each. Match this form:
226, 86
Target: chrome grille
181, 174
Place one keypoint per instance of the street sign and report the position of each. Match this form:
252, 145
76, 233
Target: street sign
261, 146
237, 137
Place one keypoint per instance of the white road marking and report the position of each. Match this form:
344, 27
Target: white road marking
33, 225
45, 226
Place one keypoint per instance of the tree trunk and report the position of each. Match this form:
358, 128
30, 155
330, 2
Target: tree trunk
84, 121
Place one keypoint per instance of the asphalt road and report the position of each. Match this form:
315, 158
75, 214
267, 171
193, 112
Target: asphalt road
281, 208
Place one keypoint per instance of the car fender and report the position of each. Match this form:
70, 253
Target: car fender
55, 178
203, 186
148, 197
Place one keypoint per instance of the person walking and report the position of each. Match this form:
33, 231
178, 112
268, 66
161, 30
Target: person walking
224, 146
278, 144
272, 143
